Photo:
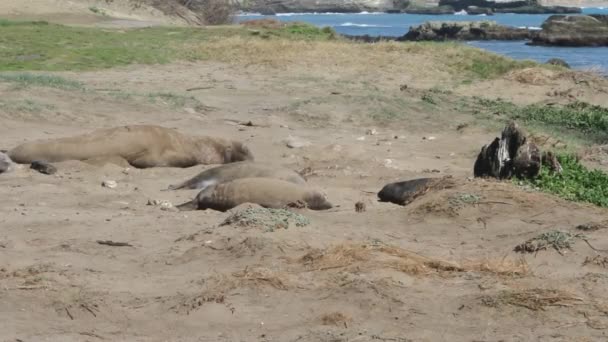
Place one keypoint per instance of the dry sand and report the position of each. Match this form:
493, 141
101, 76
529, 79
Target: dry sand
439, 269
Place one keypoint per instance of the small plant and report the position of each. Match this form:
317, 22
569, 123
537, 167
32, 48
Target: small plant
428, 98
217, 12
555, 239
97, 10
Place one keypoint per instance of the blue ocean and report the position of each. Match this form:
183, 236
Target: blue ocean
383, 24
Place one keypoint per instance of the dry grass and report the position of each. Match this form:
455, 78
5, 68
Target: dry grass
438, 60
261, 276
502, 267
533, 299
335, 318
598, 260
374, 257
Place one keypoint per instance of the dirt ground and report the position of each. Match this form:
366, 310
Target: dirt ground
442, 268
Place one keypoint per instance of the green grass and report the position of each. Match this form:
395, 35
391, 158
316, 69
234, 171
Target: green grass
24, 106
575, 183
579, 120
24, 80
486, 65
59, 47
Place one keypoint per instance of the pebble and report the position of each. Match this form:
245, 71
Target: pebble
362, 138
428, 138
371, 131
294, 142
166, 205
109, 184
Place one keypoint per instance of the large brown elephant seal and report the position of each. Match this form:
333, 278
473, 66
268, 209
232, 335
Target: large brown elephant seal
246, 169
142, 146
266, 192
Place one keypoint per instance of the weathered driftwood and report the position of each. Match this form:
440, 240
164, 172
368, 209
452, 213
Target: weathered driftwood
513, 155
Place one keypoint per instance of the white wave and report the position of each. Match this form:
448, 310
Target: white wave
360, 25
535, 28
482, 15
326, 13
461, 12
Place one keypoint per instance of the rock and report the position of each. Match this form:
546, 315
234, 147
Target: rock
110, 184
456, 30
361, 138
512, 155
520, 7
43, 167
559, 62
295, 142
474, 10
527, 161
6, 164
371, 131
436, 10
166, 206
573, 30
311, 6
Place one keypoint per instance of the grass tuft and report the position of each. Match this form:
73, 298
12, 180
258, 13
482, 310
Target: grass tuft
25, 80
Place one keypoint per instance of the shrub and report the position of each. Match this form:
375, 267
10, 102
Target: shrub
216, 12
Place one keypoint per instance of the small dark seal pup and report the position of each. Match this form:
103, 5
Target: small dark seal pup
405, 192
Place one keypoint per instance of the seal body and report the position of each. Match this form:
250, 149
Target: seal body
405, 192
142, 146
266, 192
245, 169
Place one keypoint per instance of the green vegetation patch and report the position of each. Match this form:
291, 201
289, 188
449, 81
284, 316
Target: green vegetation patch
44, 46
575, 183
25, 80
584, 120
579, 116
267, 218
485, 65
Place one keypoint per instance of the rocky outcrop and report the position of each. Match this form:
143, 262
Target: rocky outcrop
512, 155
453, 30
520, 7
570, 30
437, 10
270, 7
337, 6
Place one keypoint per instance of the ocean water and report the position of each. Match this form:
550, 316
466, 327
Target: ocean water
383, 24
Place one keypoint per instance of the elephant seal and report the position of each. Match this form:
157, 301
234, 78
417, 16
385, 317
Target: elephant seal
142, 146
266, 192
229, 172
405, 192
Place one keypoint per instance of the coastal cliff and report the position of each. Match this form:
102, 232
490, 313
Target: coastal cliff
399, 6
340, 6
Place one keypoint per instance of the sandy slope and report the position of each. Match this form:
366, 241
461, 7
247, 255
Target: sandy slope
345, 277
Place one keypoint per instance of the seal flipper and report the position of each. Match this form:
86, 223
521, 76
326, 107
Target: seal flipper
188, 206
